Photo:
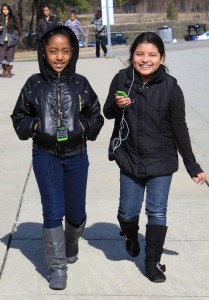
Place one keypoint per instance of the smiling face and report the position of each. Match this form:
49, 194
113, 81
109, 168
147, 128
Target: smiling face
58, 52
5, 11
147, 60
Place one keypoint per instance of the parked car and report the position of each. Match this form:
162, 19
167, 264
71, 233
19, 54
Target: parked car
193, 31
118, 38
204, 36
81, 44
92, 44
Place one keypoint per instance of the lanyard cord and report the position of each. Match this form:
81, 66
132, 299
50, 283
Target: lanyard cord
59, 114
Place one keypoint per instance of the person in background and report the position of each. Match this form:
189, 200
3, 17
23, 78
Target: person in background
100, 33
46, 20
9, 36
149, 111
60, 111
75, 25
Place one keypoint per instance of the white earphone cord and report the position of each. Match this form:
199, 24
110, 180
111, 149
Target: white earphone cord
117, 141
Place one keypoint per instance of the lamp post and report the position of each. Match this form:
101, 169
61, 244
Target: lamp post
107, 13
109, 49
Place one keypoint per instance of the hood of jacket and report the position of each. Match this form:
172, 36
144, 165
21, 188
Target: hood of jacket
45, 69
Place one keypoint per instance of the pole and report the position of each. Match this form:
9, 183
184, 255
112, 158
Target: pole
109, 48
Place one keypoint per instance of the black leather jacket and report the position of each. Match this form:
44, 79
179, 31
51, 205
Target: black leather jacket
38, 103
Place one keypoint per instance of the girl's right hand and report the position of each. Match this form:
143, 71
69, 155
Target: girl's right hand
121, 101
200, 178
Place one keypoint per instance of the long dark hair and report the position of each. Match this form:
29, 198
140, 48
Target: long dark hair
13, 23
148, 37
9, 9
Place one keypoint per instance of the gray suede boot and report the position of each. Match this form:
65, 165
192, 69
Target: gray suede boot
72, 235
54, 246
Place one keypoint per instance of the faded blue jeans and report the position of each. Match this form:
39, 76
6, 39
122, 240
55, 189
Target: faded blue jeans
132, 192
62, 184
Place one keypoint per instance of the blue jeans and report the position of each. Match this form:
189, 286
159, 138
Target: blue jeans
62, 184
132, 194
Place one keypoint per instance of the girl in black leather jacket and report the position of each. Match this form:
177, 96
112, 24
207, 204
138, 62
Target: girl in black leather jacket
59, 110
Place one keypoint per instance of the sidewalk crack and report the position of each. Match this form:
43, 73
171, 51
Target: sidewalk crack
15, 221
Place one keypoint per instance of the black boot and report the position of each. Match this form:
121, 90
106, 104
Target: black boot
130, 232
155, 237
54, 246
72, 235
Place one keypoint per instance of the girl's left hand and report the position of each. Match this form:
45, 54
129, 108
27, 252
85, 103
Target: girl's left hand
200, 178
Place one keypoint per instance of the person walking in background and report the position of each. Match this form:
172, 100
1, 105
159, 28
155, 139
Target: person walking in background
9, 36
60, 111
149, 111
46, 20
75, 25
100, 33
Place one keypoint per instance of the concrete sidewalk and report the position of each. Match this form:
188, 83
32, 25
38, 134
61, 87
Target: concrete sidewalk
104, 270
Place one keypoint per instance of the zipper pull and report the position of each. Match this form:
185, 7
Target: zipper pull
80, 104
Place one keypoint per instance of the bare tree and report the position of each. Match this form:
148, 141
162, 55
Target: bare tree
20, 17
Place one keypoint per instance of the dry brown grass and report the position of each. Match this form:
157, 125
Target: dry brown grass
144, 17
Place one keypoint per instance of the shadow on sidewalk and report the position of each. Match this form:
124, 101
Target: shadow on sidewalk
106, 237
28, 239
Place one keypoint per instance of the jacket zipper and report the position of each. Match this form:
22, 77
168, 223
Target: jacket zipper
59, 114
80, 107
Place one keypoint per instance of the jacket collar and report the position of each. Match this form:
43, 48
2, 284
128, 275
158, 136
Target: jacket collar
63, 76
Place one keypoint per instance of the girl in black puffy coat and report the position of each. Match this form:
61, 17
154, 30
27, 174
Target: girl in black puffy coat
150, 127
59, 110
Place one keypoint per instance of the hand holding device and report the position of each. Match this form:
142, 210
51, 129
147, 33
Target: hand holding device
123, 100
122, 93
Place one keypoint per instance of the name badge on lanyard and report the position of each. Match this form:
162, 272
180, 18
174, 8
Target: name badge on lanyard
62, 133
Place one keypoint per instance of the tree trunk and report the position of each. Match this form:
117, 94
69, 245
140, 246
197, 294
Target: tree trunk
20, 17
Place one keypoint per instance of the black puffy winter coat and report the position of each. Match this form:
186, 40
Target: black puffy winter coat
148, 133
38, 102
